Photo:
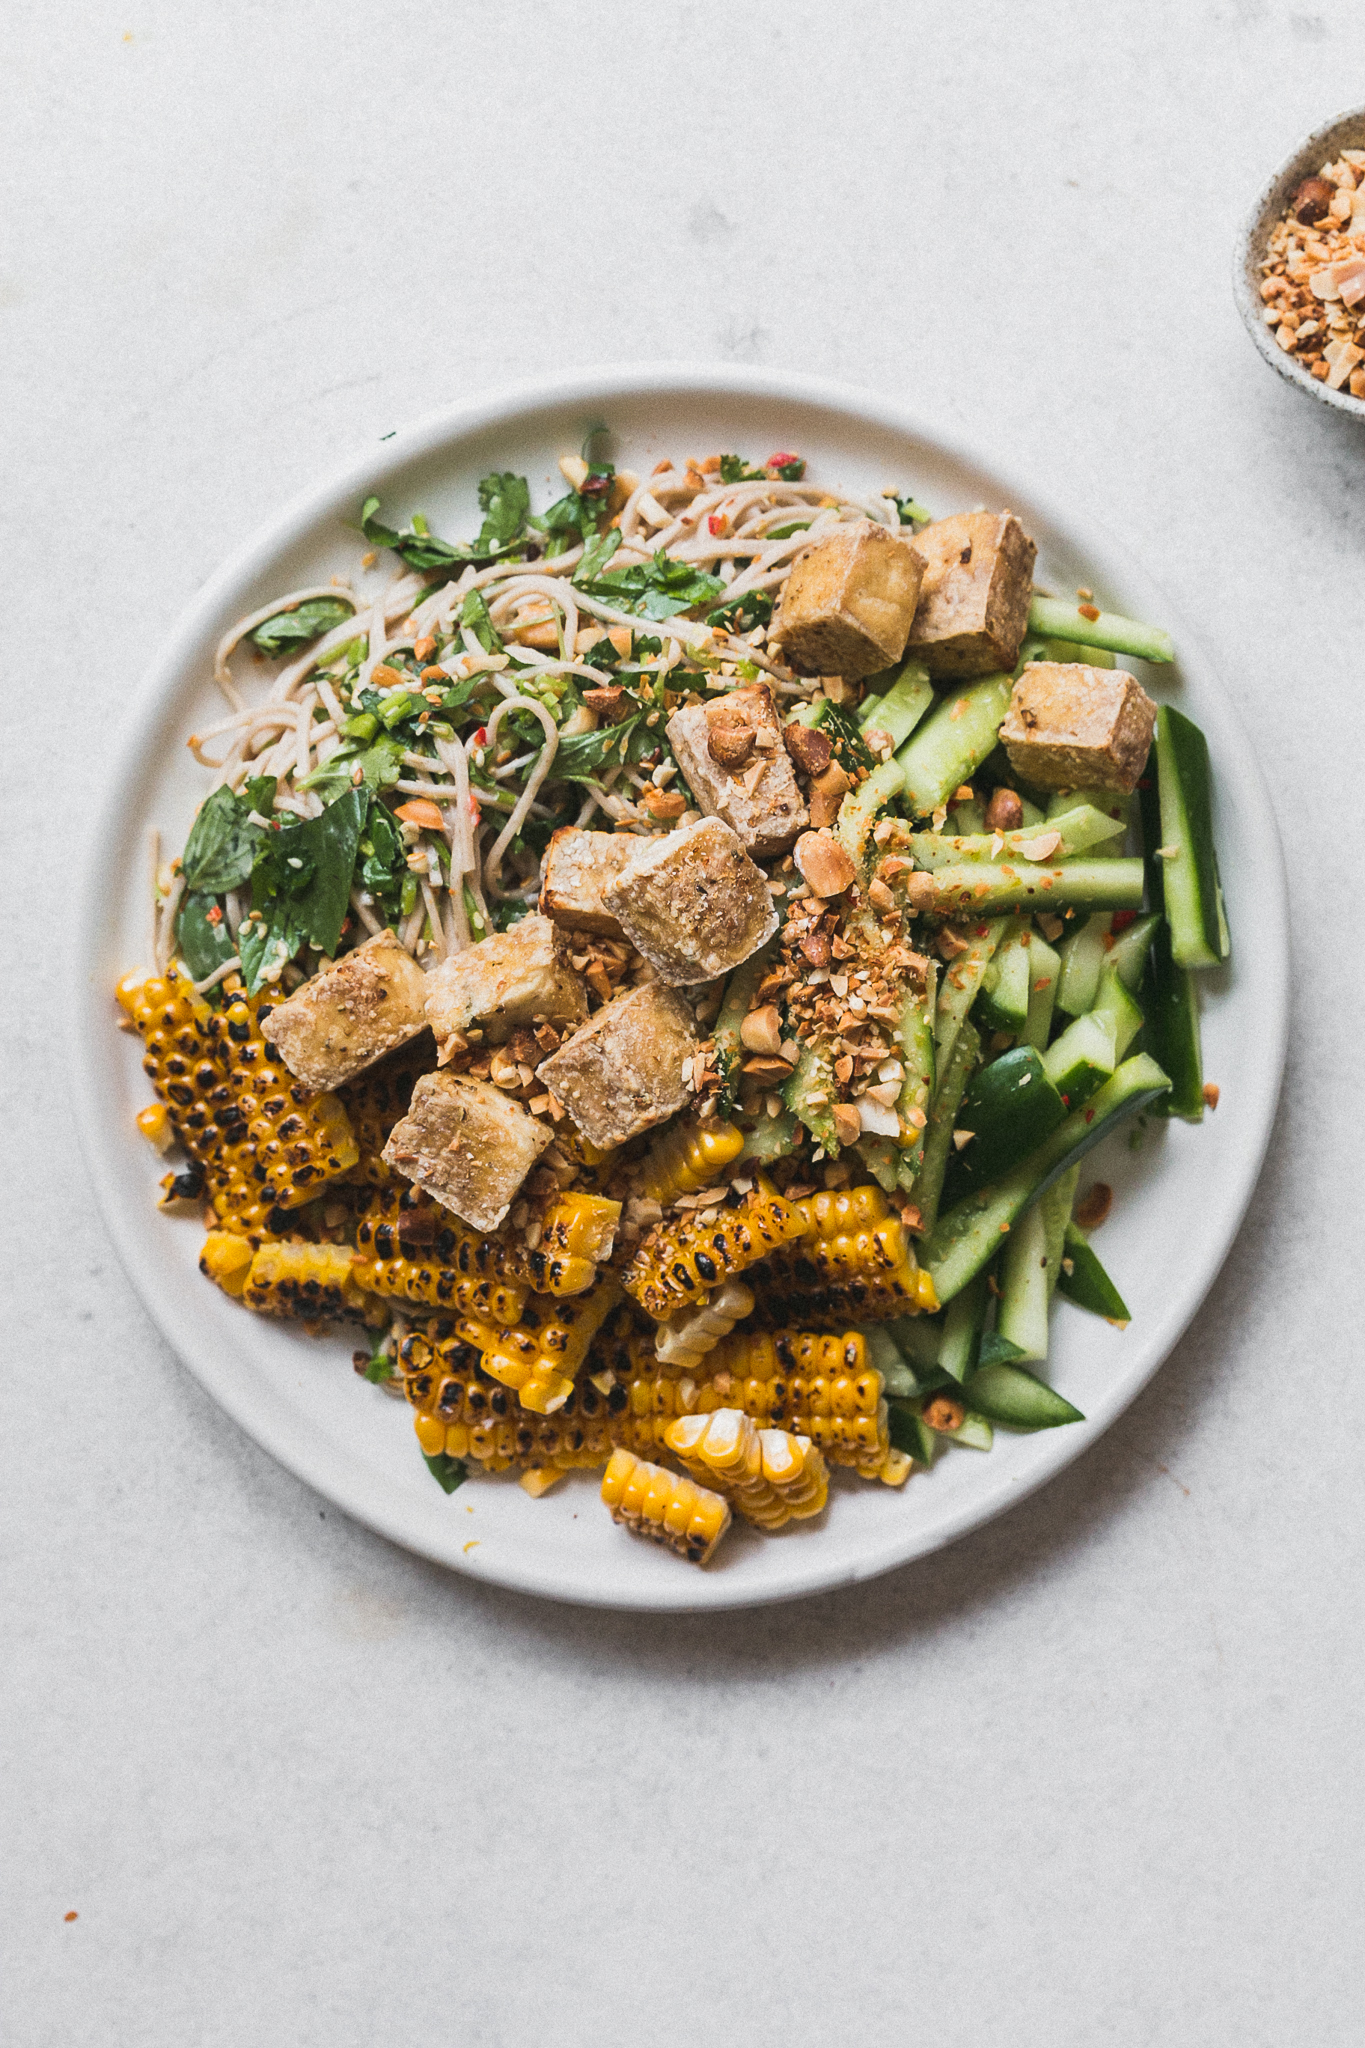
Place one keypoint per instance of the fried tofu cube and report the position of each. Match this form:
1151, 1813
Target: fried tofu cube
469, 1145
1074, 727
693, 903
345, 1019
978, 585
578, 866
520, 976
623, 1073
849, 602
732, 754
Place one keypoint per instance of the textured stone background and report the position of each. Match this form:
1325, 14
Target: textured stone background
1089, 1776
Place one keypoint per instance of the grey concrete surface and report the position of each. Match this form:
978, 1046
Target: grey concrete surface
1092, 1775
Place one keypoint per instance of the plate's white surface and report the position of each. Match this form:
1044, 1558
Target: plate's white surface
1179, 1201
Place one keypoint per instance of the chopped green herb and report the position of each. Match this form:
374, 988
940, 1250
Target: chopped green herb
446, 1471
308, 621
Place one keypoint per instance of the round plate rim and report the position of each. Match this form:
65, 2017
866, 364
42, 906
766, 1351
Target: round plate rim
353, 1489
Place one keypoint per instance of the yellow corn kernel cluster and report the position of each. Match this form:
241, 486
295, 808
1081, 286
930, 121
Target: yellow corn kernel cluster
300, 1140
420, 1252
683, 1341
464, 1411
375, 1101
260, 1137
771, 1476
688, 1158
812, 1385
542, 1353
855, 1264
593, 1163
677, 1512
309, 1281
684, 1259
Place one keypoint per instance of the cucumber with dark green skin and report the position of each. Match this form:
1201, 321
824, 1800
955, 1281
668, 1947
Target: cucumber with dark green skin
909, 1432
915, 1037
1128, 954
1008, 1394
1010, 1107
1058, 619
1056, 1205
962, 1325
1191, 886
1087, 1284
1115, 1007
1022, 1315
1081, 1060
897, 709
1169, 1000
1081, 826
813, 1074
969, 1236
858, 811
938, 1134
948, 748
1003, 1001
990, 887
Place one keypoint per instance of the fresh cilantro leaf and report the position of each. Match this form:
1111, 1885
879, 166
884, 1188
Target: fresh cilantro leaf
656, 589
306, 622
735, 470
381, 862
504, 500
584, 756
204, 940
301, 885
474, 614
380, 766
596, 555
221, 846
791, 468
448, 1472
754, 608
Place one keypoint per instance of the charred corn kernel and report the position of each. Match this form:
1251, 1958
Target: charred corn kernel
581, 1227
403, 1279
375, 1101
677, 1512
842, 1212
538, 1479
402, 1222
541, 1354
301, 1139
681, 1342
465, 1411
772, 1477
684, 1259
896, 1469
690, 1157
311, 1281
156, 1126
226, 1258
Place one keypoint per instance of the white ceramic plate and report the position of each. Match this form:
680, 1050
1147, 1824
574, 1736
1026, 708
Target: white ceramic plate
1180, 1199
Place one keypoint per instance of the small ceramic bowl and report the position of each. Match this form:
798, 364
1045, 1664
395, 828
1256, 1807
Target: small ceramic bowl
1347, 131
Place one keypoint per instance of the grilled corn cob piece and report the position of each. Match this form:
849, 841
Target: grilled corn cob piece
464, 1411
426, 1252
309, 1281
300, 1139
688, 1158
683, 1341
262, 1139
686, 1517
771, 1477
811, 1385
684, 1259
854, 1264
541, 1355
578, 1231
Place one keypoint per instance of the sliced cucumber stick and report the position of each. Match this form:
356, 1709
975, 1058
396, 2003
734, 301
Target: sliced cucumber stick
1193, 891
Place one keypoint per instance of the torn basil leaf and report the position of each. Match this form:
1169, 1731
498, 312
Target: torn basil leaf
204, 940
308, 621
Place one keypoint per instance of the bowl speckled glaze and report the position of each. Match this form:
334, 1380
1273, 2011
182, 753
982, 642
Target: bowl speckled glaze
1347, 131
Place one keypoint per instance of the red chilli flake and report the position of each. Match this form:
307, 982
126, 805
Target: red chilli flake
783, 457
481, 736
716, 523
1090, 1116
1122, 919
215, 915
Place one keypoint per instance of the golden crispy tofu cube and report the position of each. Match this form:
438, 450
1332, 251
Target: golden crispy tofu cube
469, 1145
578, 867
978, 585
1074, 727
623, 1073
738, 769
849, 602
693, 903
520, 976
344, 1020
